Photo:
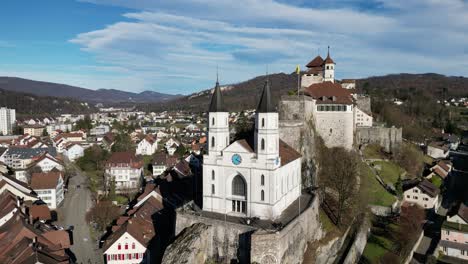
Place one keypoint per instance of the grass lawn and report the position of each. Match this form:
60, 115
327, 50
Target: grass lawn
389, 171
379, 242
376, 193
373, 151
428, 160
326, 222
121, 199
376, 247
436, 180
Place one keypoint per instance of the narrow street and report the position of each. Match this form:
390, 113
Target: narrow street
72, 213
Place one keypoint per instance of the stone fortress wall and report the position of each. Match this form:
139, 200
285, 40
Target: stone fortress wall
390, 138
218, 238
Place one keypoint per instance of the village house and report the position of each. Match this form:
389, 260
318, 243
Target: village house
147, 146
441, 169
424, 194
26, 241
33, 130
46, 162
73, 151
126, 170
454, 235
437, 150
132, 236
49, 187
162, 162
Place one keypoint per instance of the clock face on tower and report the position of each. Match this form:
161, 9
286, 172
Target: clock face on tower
236, 159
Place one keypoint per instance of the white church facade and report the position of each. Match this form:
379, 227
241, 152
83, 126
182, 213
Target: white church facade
260, 178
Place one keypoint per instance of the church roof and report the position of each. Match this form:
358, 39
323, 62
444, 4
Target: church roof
287, 153
316, 62
217, 103
265, 105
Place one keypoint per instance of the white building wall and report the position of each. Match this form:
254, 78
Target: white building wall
329, 72
281, 186
309, 79
416, 196
7, 120
361, 119
111, 254
336, 127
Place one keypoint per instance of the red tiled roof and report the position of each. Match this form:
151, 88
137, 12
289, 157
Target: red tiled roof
127, 158
287, 153
48, 180
40, 211
59, 237
329, 93
316, 62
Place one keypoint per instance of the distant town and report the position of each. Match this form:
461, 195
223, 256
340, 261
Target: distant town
314, 176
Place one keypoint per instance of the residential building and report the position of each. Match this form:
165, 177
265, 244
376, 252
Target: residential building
362, 119
147, 146
162, 162
125, 169
33, 130
7, 120
348, 84
249, 179
424, 194
49, 187
99, 130
454, 235
73, 151
64, 127
132, 236
438, 150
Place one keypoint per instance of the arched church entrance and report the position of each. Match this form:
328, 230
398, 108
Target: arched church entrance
239, 194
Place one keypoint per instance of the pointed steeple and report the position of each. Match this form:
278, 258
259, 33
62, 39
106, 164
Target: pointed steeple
217, 103
329, 60
265, 105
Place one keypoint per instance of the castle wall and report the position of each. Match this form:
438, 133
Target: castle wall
363, 102
336, 128
289, 244
227, 240
390, 138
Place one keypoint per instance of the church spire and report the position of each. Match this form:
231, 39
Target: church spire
329, 60
217, 103
265, 105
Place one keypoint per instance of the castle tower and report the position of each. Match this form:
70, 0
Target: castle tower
329, 68
218, 123
266, 138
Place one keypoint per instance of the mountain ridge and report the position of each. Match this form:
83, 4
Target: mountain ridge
41, 88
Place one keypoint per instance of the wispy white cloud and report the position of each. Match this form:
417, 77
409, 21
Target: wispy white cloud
175, 45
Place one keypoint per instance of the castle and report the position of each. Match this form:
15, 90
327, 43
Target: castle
335, 110
249, 179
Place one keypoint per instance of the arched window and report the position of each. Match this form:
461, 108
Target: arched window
212, 189
263, 122
212, 142
239, 186
212, 121
262, 145
262, 195
213, 175
262, 180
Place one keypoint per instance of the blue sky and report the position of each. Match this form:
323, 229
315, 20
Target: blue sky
174, 46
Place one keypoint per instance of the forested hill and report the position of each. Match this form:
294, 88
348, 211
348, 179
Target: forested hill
237, 97
82, 94
430, 85
245, 95
32, 105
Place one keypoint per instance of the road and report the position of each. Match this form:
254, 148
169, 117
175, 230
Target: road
72, 213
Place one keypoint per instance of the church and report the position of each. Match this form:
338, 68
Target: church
249, 179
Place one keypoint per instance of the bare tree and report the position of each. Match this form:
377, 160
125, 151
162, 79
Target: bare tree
102, 213
338, 175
